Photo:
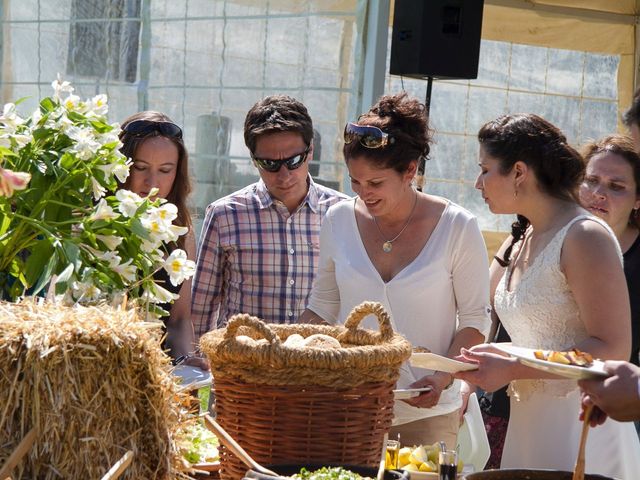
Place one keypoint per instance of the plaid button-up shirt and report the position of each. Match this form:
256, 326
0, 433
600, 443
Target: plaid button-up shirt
254, 257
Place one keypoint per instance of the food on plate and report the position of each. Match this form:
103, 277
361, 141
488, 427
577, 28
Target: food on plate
198, 445
328, 473
419, 349
573, 357
423, 458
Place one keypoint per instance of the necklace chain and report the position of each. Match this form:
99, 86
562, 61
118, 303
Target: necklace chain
387, 245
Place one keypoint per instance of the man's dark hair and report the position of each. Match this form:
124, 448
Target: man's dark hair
277, 113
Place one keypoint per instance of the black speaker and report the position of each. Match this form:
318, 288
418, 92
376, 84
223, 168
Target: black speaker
436, 38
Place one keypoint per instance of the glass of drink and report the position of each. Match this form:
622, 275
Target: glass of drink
393, 446
448, 464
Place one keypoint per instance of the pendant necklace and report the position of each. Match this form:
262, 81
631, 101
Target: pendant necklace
387, 246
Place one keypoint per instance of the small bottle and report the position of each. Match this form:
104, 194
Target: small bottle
393, 447
448, 464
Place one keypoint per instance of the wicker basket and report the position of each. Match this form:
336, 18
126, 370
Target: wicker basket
305, 405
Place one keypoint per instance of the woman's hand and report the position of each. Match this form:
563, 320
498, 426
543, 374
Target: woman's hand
495, 369
466, 389
598, 417
438, 382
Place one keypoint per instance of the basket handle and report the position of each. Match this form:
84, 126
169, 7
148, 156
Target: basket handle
370, 308
246, 320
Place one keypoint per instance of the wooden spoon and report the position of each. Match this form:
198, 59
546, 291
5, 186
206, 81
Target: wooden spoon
578, 471
383, 459
23, 447
119, 467
235, 448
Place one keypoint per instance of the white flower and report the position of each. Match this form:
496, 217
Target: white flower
110, 137
158, 230
22, 139
98, 106
61, 88
119, 169
85, 144
129, 202
11, 181
112, 258
72, 103
126, 270
152, 247
98, 189
85, 291
111, 241
10, 118
175, 231
157, 294
165, 213
179, 267
103, 211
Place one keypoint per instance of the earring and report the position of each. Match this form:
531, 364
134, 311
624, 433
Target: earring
515, 191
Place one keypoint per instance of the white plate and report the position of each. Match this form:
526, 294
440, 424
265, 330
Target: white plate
432, 361
404, 393
192, 377
527, 357
473, 443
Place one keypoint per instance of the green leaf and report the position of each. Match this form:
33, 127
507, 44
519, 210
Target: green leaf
76, 117
138, 229
47, 105
62, 282
45, 278
5, 152
40, 256
22, 99
101, 127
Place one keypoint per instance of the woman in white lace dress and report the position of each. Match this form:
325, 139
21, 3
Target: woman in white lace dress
557, 283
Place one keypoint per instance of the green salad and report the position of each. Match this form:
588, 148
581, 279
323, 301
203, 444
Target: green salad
199, 445
329, 473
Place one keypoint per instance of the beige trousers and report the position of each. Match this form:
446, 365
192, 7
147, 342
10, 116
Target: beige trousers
427, 431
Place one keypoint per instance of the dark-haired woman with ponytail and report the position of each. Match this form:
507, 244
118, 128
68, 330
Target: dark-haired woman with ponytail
419, 255
557, 283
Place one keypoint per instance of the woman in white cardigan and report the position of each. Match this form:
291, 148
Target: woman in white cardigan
420, 255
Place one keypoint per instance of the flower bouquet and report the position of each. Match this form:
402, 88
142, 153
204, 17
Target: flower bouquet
66, 229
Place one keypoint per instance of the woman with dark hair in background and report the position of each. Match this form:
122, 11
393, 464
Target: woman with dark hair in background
550, 292
160, 160
419, 255
611, 191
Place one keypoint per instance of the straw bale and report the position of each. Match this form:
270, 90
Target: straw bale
94, 383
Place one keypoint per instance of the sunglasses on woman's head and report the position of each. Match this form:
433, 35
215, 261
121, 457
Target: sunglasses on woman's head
291, 163
142, 128
369, 137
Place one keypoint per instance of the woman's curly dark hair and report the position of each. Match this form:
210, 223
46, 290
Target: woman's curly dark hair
404, 119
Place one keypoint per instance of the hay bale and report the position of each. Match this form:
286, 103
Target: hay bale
94, 383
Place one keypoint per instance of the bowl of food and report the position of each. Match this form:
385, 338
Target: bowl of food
325, 472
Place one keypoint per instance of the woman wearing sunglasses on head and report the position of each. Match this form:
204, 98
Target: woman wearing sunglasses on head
160, 160
420, 255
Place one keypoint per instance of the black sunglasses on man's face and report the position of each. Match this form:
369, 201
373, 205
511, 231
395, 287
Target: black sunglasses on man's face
291, 163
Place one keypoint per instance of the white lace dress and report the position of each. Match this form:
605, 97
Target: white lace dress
544, 430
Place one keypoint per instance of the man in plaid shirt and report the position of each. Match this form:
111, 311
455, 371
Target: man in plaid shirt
259, 246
